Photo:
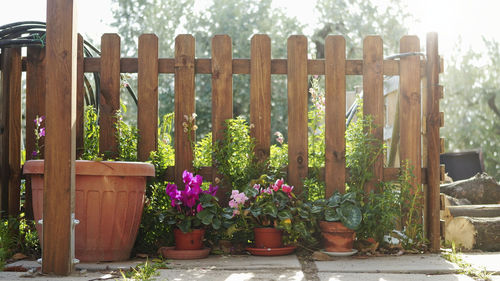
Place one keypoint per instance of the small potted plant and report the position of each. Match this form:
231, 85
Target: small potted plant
191, 210
266, 206
338, 217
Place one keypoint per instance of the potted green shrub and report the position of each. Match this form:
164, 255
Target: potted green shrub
338, 217
191, 210
109, 195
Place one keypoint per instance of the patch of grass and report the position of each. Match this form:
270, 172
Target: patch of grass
465, 268
144, 271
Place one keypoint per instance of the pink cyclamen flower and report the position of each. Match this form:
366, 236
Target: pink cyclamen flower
199, 208
287, 189
256, 186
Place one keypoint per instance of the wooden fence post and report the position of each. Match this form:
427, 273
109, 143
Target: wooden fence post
373, 97
433, 123
335, 103
147, 85
184, 103
59, 170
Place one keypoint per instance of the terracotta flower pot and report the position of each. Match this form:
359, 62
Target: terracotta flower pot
336, 237
268, 237
192, 240
109, 198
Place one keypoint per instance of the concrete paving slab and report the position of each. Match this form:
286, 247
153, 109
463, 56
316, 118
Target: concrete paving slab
414, 264
327, 276
230, 275
239, 262
490, 261
100, 266
22, 276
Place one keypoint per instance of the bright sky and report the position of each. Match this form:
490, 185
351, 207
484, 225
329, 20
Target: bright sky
468, 19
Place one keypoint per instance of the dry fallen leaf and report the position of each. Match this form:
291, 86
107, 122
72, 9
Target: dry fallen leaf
319, 256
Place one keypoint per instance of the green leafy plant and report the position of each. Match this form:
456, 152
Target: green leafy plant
339, 207
144, 271
127, 137
411, 206
90, 150
381, 212
234, 154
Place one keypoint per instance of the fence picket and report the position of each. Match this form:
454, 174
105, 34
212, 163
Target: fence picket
373, 97
109, 99
409, 105
12, 128
260, 94
222, 90
335, 103
35, 106
432, 124
80, 92
147, 86
297, 110
184, 102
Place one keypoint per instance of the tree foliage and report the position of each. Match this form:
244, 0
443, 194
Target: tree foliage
472, 103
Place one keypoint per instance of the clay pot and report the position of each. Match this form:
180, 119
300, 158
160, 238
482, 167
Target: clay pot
109, 198
336, 237
192, 240
172, 253
268, 237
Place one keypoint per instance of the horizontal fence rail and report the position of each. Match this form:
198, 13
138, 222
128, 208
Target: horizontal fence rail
419, 134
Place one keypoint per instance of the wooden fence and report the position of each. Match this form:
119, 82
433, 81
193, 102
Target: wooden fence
420, 122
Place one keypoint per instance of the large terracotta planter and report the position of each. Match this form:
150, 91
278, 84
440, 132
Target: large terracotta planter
192, 240
109, 199
336, 237
268, 237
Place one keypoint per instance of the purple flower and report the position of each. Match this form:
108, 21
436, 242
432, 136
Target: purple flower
212, 190
189, 196
34, 153
192, 181
42, 132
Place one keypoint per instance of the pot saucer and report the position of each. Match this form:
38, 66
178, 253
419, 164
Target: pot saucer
172, 253
340, 254
271, 251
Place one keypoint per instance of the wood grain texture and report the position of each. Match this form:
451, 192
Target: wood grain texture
59, 170
260, 94
433, 121
147, 86
410, 106
242, 66
222, 92
335, 102
4, 133
184, 102
373, 97
109, 99
35, 106
80, 94
297, 111
11, 80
